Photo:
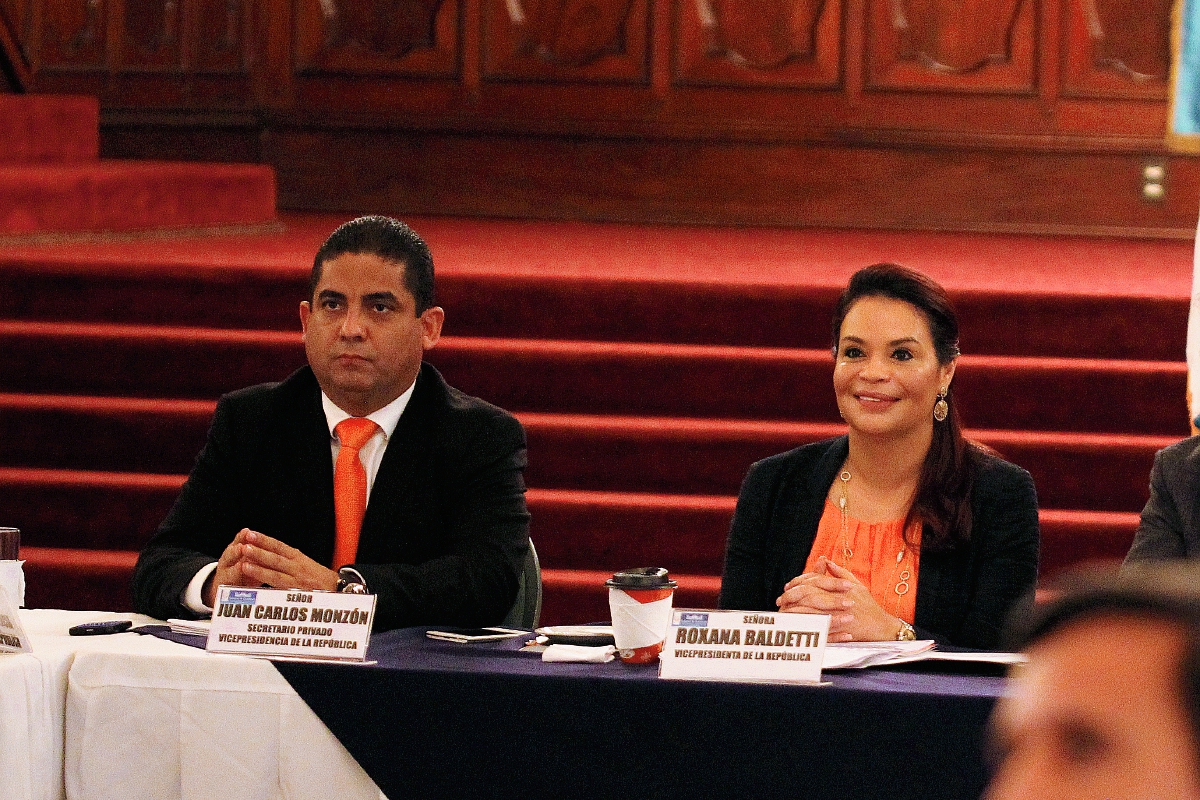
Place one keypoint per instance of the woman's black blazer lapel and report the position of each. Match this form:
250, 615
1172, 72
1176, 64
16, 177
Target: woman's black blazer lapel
801, 507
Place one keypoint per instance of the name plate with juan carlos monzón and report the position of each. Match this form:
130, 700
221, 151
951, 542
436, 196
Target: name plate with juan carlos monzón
290, 623
744, 646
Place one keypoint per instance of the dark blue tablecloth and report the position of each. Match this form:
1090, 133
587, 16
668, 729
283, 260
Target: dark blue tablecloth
445, 720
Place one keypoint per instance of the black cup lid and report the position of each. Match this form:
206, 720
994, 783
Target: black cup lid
641, 578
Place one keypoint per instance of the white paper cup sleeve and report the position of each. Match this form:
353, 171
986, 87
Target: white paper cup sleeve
638, 624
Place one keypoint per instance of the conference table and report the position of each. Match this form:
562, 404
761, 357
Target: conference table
133, 716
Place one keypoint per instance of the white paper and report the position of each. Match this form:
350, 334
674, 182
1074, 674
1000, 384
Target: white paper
12, 579
1007, 659
858, 655
196, 627
855, 655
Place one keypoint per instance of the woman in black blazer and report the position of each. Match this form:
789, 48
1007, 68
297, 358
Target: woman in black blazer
902, 529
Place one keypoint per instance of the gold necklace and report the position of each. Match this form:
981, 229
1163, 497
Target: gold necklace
902, 585
847, 553
904, 576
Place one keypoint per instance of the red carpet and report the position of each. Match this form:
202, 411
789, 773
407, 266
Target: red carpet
52, 182
650, 367
38, 129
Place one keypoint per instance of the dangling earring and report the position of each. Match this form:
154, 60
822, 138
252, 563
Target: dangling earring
941, 409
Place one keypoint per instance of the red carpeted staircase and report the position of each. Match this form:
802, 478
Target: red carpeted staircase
53, 182
650, 366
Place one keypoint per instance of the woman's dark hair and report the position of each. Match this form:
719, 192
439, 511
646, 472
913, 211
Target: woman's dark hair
943, 498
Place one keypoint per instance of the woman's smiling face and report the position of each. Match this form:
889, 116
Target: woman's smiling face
887, 376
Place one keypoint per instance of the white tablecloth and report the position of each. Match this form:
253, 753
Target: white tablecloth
33, 692
147, 718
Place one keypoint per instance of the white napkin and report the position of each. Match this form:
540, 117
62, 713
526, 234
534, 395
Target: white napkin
575, 652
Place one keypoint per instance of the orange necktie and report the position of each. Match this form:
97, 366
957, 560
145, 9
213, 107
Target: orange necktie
350, 487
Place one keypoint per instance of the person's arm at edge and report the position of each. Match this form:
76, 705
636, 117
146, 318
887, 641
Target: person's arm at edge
1160, 530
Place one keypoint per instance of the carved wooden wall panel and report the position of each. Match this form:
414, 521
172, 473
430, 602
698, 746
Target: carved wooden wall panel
1118, 48
74, 34
153, 35
566, 40
380, 37
962, 45
18, 14
220, 35
507, 106
758, 43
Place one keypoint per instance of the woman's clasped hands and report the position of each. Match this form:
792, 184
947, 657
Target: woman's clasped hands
834, 590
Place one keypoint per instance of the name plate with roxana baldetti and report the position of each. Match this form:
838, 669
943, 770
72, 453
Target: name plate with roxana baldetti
290, 623
744, 646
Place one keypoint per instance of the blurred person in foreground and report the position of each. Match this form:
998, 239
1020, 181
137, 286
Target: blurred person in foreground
362, 472
901, 529
1109, 704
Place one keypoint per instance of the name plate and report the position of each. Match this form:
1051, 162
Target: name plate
744, 646
13, 638
288, 623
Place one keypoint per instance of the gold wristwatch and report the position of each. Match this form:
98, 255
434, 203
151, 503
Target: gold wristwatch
906, 633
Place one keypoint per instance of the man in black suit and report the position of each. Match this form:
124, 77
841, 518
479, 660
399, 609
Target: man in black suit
1170, 524
445, 527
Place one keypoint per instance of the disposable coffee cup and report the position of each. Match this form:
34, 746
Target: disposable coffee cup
640, 602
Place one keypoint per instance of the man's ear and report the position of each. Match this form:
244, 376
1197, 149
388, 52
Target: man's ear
431, 324
305, 311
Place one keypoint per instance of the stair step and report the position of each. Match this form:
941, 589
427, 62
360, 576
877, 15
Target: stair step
86, 510
45, 128
572, 529
712, 456
194, 290
119, 196
598, 377
81, 580
569, 451
776, 383
188, 363
115, 434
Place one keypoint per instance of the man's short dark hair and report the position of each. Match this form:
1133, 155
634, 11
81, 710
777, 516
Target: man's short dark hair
391, 240
1164, 591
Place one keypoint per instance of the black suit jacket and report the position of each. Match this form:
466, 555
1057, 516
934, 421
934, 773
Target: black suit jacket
963, 596
1170, 524
445, 531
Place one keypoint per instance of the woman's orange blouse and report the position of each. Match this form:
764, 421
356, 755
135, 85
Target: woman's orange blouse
874, 547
